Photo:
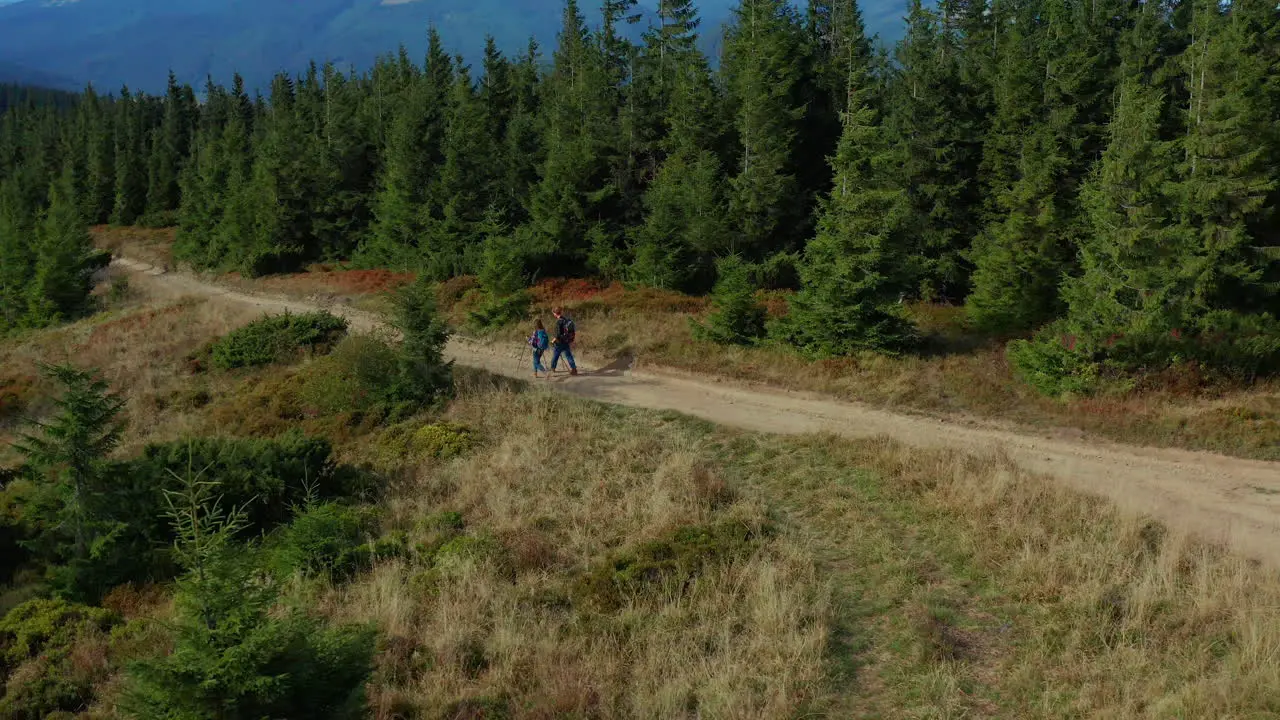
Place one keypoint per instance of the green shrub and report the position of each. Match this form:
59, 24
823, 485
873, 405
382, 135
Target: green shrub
443, 439
119, 290
275, 338
362, 374
47, 627
366, 373
677, 559
48, 691
411, 442
329, 540
237, 652
159, 219
40, 635
12, 554
738, 318
269, 478
500, 311
1048, 364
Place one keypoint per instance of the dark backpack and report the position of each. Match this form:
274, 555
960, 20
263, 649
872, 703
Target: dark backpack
568, 333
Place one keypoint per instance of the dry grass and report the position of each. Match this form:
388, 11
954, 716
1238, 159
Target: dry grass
896, 583
140, 347
972, 588
890, 582
561, 488
959, 375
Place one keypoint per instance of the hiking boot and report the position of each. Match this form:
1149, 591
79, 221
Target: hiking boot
573, 371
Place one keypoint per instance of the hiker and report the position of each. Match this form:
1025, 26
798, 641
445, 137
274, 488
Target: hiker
539, 342
566, 333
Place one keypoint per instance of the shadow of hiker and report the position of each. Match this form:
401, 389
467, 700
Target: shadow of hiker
618, 368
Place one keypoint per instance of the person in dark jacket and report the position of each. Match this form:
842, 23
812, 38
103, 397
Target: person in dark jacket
566, 333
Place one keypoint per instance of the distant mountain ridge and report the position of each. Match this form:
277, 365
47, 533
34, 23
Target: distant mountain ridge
111, 43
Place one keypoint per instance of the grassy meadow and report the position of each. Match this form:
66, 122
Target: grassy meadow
571, 559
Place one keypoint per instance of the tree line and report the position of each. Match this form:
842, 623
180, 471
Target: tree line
1104, 170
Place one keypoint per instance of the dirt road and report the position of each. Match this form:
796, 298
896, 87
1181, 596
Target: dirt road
1220, 498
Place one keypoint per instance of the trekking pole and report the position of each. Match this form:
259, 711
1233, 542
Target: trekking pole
519, 359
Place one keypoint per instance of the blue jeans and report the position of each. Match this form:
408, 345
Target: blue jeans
537, 361
565, 351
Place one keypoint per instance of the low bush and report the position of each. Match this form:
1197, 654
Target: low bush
47, 626
498, 312
330, 540
368, 374
360, 375
37, 641
16, 394
738, 317
159, 219
12, 554
119, 290
268, 478
238, 651
412, 442
673, 561
451, 291
275, 338
1049, 364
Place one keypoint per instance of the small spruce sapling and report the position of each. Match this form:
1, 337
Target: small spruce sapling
68, 456
738, 319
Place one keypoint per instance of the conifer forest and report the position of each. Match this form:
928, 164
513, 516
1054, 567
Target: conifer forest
1096, 181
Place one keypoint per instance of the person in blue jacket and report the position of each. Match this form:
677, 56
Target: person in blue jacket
539, 342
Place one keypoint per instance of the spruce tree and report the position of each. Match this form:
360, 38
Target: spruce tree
686, 221
234, 209
344, 169
65, 260
567, 207
69, 454
131, 172
685, 225
98, 197
837, 30
666, 55
521, 154
239, 650
1018, 94
407, 204
737, 318
927, 115
855, 271
170, 147
1021, 258
16, 258
464, 184
1138, 266
280, 189
498, 96
763, 70
1226, 172
1255, 25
